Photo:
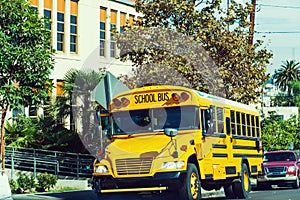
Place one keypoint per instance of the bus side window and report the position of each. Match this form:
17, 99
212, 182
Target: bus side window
228, 128
233, 124
212, 121
220, 115
205, 116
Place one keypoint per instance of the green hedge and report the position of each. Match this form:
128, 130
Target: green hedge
27, 182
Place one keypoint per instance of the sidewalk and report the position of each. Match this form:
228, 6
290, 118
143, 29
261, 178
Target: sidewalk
212, 193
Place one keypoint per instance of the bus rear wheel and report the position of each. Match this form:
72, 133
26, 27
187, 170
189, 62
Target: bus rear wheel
228, 190
191, 189
242, 187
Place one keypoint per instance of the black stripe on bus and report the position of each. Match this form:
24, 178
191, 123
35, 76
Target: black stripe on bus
219, 135
219, 146
244, 147
220, 155
247, 155
244, 137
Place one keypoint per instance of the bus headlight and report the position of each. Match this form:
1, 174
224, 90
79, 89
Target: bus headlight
101, 169
173, 165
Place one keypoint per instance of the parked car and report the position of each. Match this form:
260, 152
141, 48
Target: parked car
281, 168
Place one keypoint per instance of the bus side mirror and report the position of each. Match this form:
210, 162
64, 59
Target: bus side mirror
171, 132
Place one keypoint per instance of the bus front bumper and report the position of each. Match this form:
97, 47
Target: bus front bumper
158, 182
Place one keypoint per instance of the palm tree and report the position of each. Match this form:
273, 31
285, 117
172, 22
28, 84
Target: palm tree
288, 73
76, 103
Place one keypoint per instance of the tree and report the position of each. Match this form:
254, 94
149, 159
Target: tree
278, 134
25, 58
76, 103
41, 133
239, 68
295, 87
288, 72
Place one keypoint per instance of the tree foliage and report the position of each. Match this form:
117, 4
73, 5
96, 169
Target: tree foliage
239, 67
25, 56
295, 87
77, 88
42, 132
278, 134
288, 73
49, 132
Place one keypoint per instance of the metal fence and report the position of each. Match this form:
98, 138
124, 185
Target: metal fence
62, 164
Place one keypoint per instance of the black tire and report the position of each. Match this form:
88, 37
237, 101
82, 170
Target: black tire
228, 190
242, 187
296, 183
191, 189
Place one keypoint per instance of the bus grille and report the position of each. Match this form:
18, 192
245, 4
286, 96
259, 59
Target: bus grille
133, 166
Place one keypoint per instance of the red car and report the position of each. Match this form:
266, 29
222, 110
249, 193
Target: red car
281, 168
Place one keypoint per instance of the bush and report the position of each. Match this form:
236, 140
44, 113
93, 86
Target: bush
13, 185
26, 182
46, 181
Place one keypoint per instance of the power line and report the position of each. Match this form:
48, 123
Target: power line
277, 32
278, 6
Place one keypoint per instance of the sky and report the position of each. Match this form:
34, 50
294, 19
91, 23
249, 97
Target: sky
277, 22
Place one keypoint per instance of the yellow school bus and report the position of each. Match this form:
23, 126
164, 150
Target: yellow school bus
173, 139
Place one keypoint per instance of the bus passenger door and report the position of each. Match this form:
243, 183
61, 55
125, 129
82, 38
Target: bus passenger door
209, 136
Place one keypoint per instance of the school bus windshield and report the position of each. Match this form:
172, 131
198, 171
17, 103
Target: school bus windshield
156, 119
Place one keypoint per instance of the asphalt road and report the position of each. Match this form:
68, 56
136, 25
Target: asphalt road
273, 194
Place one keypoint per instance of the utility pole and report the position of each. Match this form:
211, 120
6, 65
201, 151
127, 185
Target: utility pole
252, 20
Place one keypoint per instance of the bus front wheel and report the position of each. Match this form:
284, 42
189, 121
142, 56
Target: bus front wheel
242, 187
191, 189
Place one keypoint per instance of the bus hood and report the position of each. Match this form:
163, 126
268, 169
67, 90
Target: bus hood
143, 146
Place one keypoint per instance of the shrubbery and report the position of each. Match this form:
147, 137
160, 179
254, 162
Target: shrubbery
27, 182
46, 181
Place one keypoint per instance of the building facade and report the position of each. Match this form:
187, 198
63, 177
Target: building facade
81, 27
82, 36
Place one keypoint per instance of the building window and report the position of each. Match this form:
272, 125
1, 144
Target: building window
131, 20
122, 22
73, 27
113, 22
16, 112
102, 30
59, 88
60, 25
32, 111
34, 4
47, 12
